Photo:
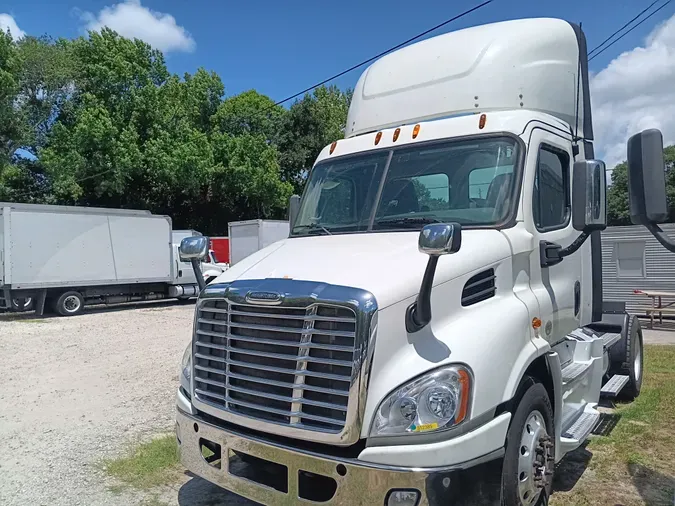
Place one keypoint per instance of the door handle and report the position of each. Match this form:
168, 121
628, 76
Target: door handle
577, 298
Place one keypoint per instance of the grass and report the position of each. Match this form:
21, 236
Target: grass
148, 465
635, 463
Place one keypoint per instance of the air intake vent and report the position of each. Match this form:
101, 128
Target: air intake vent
479, 288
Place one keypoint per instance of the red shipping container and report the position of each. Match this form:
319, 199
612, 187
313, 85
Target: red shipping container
221, 247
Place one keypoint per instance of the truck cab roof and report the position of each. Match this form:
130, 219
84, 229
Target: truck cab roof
537, 64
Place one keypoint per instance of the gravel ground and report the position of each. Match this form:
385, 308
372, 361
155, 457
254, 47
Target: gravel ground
77, 390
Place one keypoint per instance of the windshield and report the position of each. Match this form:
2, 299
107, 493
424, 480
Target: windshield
470, 182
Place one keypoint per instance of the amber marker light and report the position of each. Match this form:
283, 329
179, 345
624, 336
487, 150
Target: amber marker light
465, 385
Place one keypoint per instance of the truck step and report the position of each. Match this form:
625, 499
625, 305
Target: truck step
609, 339
582, 426
614, 385
575, 370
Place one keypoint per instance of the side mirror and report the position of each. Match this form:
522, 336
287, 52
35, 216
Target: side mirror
293, 209
647, 178
440, 239
196, 247
589, 189
435, 240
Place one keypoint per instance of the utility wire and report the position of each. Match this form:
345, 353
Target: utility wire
590, 53
627, 32
394, 48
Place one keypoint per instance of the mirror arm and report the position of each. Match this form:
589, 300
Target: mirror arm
551, 253
198, 273
661, 236
576, 244
418, 314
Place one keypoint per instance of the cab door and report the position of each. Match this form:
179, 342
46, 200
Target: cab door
557, 287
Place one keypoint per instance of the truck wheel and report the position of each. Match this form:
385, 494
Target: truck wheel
527, 473
632, 358
27, 304
69, 303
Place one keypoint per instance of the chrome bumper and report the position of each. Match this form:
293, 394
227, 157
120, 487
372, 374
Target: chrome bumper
357, 482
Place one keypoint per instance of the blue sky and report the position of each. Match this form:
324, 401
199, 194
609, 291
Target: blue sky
282, 47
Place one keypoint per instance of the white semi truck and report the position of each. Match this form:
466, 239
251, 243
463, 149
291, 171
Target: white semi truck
432, 331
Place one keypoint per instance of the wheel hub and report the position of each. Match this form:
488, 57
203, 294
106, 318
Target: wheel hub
536, 460
71, 303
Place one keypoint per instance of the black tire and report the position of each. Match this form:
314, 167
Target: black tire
69, 303
28, 304
534, 401
632, 360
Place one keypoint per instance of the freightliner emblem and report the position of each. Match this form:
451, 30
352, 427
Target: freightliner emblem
264, 297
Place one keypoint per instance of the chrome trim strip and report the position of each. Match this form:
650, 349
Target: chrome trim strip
305, 296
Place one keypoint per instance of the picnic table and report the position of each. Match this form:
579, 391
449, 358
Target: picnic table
657, 304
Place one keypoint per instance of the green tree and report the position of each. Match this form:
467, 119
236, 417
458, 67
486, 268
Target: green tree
311, 123
249, 113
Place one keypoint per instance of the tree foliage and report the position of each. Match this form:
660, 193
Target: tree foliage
100, 121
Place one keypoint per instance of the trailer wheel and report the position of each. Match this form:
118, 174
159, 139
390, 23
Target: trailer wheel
69, 303
529, 460
631, 361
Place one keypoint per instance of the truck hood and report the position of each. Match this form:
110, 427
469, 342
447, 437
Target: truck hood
388, 265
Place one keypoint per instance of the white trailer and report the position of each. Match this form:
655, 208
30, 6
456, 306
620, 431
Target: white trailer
69, 256
247, 237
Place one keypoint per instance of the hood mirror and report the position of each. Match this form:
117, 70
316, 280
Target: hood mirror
435, 239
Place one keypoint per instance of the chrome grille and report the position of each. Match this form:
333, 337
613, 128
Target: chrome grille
293, 366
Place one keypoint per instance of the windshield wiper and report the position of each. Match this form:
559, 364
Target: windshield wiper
313, 227
409, 221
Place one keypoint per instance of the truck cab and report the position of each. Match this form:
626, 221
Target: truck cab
432, 330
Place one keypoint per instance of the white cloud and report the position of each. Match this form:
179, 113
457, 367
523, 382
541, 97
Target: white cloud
130, 19
634, 92
7, 22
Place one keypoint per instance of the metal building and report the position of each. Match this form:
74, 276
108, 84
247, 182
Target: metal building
632, 259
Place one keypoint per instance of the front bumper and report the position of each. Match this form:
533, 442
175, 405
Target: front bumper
354, 482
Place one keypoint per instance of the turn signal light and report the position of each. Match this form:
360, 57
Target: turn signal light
416, 131
536, 323
332, 147
397, 132
481, 121
378, 136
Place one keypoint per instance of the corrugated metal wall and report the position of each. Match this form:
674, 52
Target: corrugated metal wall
659, 267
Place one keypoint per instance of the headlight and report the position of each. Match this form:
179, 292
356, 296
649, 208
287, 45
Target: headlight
435, 401
186, 368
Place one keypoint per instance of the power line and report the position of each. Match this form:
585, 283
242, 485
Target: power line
627, 32
590, 53
394, 48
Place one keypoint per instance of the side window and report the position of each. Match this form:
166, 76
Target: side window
432, 191
551, 196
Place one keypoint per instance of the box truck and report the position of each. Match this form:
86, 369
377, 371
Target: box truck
63, 258
247, 237
432, 332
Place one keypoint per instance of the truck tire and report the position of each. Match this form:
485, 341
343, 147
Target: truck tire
27, 304
529, 460
69, 303
628, 359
